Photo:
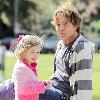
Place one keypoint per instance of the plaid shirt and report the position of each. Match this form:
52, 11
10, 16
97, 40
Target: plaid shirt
73, 69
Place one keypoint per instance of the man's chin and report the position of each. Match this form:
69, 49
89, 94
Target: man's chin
63, 37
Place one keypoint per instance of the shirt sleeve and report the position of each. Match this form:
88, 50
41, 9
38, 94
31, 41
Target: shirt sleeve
25, 86
81, 78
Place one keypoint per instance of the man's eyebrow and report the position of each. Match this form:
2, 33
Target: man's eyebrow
32, 50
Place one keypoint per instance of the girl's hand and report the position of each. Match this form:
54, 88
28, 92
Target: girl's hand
47, 84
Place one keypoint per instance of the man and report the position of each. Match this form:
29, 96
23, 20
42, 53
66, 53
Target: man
72, 79
73, 58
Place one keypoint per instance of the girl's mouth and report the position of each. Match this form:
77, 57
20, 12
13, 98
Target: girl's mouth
33, 59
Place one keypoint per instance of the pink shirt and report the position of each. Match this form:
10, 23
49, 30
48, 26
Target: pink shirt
27, 85
32, 66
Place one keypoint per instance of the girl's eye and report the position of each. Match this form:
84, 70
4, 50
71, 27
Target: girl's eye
38, 52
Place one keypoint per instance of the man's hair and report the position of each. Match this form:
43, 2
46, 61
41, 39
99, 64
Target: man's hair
25, 43
70, 13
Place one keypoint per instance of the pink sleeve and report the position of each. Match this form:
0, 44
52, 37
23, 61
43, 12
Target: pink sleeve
23, 84
33, 88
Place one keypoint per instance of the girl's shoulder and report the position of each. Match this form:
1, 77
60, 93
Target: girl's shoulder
19, 65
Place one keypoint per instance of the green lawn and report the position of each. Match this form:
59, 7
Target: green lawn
46, 70
96, 76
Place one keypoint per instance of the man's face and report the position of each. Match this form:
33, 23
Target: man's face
32, 54
64, 28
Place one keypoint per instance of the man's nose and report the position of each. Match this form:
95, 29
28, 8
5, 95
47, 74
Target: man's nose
61, 28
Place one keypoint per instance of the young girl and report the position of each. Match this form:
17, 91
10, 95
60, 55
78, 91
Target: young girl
27, 85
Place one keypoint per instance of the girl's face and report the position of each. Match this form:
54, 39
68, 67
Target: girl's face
64, 28
32, 54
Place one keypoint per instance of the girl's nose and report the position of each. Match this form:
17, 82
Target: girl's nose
36, 56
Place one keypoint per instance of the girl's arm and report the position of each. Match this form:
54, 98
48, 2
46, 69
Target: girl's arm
23, 84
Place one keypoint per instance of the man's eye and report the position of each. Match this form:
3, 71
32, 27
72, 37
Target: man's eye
58, 24
38, 52
32, 52
65, 23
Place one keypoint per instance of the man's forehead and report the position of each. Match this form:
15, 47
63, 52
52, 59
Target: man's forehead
62, 18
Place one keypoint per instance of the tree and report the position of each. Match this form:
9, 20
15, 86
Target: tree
90, 11
7, 13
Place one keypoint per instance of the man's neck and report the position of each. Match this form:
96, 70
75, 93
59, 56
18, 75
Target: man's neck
71, 39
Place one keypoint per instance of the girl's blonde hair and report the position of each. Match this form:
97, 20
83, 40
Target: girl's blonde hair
70, 13
25, 43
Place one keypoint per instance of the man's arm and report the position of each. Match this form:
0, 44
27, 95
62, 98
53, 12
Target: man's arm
82, 78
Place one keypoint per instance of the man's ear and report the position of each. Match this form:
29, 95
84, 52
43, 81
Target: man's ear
76, 26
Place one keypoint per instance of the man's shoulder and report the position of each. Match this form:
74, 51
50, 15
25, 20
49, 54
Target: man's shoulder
59, 45
82, 43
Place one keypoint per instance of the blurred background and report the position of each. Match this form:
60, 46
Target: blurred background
34, 17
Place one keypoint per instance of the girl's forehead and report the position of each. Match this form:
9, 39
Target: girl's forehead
37, 47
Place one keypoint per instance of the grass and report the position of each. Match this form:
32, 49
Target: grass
96, 76
46, 70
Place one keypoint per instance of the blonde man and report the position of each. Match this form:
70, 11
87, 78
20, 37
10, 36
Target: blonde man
72, 78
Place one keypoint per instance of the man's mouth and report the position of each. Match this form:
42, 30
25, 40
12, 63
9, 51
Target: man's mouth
62, 33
